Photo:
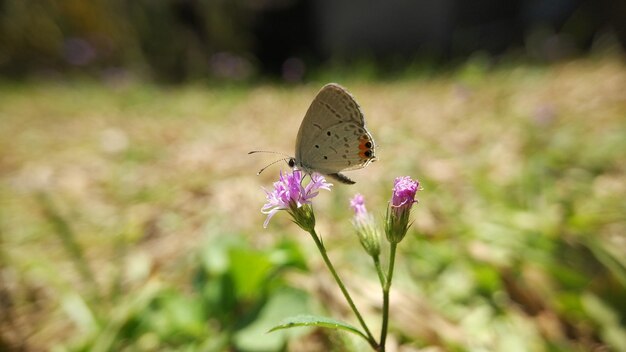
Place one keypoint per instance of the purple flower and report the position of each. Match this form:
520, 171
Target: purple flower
289, 194
404, 190
402, 199
365, 226
358, 205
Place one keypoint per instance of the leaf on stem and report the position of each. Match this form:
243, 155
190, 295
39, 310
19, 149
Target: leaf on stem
312, 320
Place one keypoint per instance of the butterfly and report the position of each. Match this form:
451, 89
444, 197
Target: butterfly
332, 136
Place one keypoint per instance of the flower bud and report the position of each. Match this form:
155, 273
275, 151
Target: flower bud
397, 219
365, 226
303, 216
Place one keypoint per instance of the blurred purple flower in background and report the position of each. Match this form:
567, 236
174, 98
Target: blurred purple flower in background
228, 65
78, 51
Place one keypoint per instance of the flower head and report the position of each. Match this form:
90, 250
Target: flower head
289, 194
358, 205
404, 189
402, 200
365, 226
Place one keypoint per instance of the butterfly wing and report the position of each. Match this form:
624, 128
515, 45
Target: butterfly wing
332, 136
341, 147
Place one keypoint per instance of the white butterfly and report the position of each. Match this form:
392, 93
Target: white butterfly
332, 136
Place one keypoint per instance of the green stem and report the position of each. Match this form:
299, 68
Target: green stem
379, 271
322, 249
386, 287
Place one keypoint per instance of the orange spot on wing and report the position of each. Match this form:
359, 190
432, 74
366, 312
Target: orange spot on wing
363, 148
362, 143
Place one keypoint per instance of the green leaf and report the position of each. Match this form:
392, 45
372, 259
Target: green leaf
249, 269
312, 320
281, 303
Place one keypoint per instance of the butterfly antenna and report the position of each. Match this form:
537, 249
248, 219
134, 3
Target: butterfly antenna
270, 152
263, 169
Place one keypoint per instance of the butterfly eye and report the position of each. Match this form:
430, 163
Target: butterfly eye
291, 162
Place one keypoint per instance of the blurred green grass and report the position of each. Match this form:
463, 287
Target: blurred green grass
130, 217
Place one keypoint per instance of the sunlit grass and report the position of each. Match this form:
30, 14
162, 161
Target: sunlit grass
130, 214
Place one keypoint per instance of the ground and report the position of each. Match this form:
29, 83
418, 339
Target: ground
125, 207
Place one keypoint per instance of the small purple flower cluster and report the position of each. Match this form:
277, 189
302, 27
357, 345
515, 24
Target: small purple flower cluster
365, 226
358, 205
289, 194
404, 190
402, 199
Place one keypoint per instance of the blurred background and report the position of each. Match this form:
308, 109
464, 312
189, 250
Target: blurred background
183, 40
130, 211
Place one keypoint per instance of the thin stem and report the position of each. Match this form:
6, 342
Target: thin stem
322, 249
379, 271
386, 287
383, 283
